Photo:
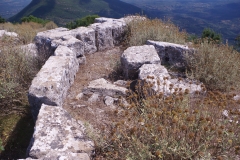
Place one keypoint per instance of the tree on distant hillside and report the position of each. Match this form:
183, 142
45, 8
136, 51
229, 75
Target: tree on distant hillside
211, 35
2, 20
85, 21
34, 19
237, 43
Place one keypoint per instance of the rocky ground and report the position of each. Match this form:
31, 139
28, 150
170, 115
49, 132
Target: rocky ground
105, 64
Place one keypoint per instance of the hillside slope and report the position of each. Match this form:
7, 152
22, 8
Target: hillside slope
63, 11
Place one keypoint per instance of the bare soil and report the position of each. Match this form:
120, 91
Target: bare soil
105, 64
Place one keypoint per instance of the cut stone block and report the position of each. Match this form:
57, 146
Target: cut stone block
57, 133
134, 57
170, 53
52, 82
44, 39
72, 43
87, 36
104, 37
104, 88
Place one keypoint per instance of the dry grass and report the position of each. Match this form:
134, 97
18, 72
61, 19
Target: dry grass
17, 69
175, 127
27, 31
139, 31
103, 64
217, 66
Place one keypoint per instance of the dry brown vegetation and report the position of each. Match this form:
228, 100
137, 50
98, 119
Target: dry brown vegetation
204, 125
17, 69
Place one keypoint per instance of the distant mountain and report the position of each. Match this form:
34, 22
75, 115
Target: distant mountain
63, 11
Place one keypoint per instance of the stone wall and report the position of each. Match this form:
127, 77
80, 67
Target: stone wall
56, 132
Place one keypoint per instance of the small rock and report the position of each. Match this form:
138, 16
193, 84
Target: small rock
121, 83
94, 98
79, 96
109, 101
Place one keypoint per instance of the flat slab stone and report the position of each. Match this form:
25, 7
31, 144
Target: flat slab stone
104, 88
52, 82
171, 53
134, 57
87, 36
57, 133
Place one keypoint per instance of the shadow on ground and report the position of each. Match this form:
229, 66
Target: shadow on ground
18, 141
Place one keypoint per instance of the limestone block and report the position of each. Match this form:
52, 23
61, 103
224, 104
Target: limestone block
72, 43
184, 84
104, 37
104, 88
171, 53
154, 73
158, 74
66, 156
52, 82
57, 133
119, 28
44, 39
64, 51
134, 57
6, 33
103, 19
30, 49
87, 36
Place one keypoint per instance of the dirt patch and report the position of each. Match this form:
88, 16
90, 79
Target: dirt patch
105, 65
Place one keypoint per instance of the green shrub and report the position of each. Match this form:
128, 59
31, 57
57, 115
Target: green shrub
34, 19
1, 146
85, 21
2, 20
140, 30
217, 66
211, 35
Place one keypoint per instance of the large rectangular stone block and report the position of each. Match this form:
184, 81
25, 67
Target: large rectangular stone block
134, 57
52, 82
87, 36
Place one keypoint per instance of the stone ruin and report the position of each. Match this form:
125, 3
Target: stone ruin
56, 134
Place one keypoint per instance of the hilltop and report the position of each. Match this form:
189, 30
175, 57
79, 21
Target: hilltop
63, 11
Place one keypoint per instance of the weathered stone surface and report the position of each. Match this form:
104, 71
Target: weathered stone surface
6, 33
119, 28
72, 43
66, 156
104, 88
87, 36
44, 39
104, 37
52, 82
154, 73
94, 98
64, 51
109, 101
171, 53
134, 57
121, 83
30, 49
184, 84
57, 133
